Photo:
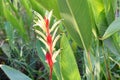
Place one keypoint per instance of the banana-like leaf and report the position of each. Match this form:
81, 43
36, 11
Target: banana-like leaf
113, 28
13, 74
77, 20
68, 63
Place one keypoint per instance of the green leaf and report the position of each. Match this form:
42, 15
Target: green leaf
109, 11
113, 28
14, 74
110, 44
1, 8
49, 5
57, 69
68, 63
37, 7
10, 34
40, 52
99, 15
103, 14
77, 20
114, 4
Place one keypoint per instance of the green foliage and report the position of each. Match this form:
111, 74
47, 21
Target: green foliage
113, 28
90, 24
68, 64
17, 23
77, 20
10, 34
51, 4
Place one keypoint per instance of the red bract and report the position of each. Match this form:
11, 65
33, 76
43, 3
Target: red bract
49, 39
50, 63
49, 42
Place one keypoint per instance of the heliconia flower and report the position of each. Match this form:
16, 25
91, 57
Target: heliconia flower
48, 37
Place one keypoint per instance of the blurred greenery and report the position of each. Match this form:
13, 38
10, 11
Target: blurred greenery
90, 40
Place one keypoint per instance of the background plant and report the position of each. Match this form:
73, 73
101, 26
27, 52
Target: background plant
90, 27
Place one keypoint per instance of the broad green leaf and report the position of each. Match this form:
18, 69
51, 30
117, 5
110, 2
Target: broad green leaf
77, 20
113, 28
14, 74
68, 63
50, 5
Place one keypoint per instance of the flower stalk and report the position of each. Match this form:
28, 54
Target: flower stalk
48, 37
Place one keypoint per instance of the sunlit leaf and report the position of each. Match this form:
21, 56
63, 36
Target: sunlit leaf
68, 63
77, 20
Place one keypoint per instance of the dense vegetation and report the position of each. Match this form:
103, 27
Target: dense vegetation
89, 40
